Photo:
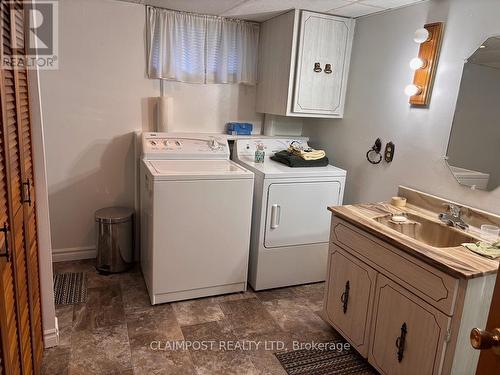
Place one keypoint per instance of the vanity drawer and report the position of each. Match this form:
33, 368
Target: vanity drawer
436, 287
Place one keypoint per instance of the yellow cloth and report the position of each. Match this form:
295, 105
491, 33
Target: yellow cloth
307, 154
485, 249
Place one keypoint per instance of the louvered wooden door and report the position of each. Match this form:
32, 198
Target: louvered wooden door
27, 187
20, 203
9, 326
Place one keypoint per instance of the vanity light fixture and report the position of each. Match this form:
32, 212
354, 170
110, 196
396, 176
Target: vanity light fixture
417, 63
412, 90
425, 65
421, 35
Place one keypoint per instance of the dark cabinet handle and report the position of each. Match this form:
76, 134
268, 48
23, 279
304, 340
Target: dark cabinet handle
400, 342
344, 298
5, 231
317, 67
328, 68
28, 192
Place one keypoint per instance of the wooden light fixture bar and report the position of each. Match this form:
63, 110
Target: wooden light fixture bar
429, 52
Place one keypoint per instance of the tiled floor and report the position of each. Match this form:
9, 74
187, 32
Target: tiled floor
112, 333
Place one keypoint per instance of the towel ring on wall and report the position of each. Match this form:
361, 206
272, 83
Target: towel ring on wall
376, 148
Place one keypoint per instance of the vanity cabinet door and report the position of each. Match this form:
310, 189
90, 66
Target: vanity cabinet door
408, 336
322, 64
349, 297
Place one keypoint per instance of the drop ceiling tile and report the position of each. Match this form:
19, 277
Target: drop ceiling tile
196, 6
355, 10
389, 3
260, 10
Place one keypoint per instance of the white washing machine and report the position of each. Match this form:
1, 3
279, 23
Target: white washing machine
196, 208
290, 221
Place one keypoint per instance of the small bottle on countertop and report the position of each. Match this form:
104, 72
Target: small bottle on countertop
260, 153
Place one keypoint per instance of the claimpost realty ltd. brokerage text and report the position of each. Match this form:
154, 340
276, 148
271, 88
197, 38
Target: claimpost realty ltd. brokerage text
247, 345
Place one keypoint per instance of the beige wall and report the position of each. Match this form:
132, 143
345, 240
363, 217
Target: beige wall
94, 102
377, 107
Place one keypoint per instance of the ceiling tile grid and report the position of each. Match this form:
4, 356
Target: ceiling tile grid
261, 10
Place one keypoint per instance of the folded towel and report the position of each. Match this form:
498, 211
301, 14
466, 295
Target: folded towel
491, 251
292, 160
306, 153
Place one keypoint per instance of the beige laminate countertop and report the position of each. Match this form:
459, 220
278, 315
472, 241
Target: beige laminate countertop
456, 261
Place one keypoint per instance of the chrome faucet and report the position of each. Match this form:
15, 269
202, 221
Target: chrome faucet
453, 216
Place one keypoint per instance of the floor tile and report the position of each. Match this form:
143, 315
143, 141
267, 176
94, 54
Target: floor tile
64, 314
266, 363
250, 320
104, 307
112, 333
197, 311
98, 280
216, 360
156, 324
86, 265
100, 351
313, 295
295, 317
134, 293
158, 321
56, 361
272, 294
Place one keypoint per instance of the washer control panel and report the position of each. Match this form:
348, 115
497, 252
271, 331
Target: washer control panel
184, 146
245, 148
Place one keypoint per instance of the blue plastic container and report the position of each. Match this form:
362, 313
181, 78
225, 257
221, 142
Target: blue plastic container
239, 128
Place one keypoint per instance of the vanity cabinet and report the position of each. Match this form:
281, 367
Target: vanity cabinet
350, 297
408, 335
303, 64
404, 315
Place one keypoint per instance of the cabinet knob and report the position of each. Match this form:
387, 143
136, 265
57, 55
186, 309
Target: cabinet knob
317, 67
328, 68
482, 340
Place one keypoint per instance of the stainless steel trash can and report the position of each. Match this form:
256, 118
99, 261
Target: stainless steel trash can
115, 239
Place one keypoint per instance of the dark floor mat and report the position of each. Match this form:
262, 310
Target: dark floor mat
324, 362
70, 288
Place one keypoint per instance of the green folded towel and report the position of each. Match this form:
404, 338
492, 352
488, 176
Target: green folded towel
485, 249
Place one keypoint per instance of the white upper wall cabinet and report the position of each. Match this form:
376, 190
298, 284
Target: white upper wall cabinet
303, 64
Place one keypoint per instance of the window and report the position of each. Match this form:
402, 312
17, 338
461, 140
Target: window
195, 48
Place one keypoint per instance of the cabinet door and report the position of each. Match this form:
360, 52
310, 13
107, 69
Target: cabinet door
323, 40
408, 335
349, 297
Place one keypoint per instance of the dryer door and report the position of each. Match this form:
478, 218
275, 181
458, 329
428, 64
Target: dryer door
297, 212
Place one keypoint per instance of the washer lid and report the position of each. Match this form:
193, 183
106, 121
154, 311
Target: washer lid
274, 169
196, 169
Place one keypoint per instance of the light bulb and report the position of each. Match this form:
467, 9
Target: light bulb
412, 90
421, 35
417, 63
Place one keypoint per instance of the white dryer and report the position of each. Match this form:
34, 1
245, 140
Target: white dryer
290, 221
196, 207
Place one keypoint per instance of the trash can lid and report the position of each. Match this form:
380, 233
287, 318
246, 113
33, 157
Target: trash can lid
114, 214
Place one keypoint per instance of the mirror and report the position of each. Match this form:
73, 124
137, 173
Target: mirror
474, 146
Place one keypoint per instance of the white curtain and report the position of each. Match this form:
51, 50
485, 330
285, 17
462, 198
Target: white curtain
201, 49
